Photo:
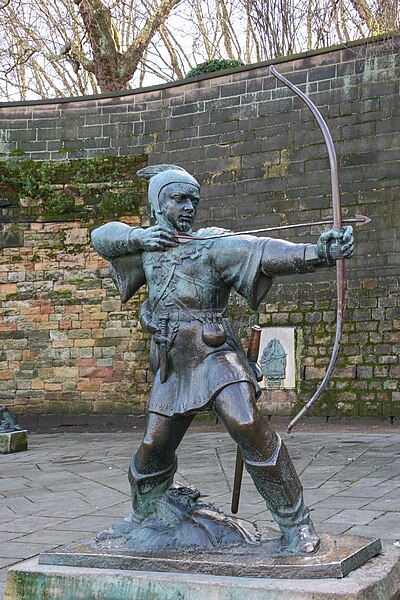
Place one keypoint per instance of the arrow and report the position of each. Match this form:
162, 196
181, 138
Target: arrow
358, 221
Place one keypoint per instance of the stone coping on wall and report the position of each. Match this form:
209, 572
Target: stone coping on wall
224, 73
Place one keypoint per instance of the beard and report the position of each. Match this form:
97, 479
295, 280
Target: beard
184, 224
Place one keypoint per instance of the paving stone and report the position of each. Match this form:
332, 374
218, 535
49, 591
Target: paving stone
333, 528
338, 502
386, 535
6, 515
90, 523
385, 504
319, 515
6, 562
51, 537
29, 524
389, 520
6, 536
366, 491
356, 517
21, 550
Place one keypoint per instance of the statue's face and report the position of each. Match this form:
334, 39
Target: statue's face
178, 205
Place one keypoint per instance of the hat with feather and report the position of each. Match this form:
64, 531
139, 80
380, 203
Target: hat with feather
161, 175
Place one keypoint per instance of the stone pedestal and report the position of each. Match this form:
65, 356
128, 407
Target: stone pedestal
379, 578
13, 441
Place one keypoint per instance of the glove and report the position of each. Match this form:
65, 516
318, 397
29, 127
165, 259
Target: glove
335, 244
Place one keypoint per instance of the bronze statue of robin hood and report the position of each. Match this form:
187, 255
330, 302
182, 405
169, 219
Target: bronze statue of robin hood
197, 358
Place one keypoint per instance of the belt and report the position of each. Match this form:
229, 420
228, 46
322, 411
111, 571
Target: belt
203, 316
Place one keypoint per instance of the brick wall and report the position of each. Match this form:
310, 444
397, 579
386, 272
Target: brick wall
67, 344
67, 347
259, 156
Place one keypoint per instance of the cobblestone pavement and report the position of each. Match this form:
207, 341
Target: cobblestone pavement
68, 486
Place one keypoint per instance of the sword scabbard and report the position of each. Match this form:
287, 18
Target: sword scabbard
163, 349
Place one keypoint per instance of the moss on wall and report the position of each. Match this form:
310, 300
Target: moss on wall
90, 190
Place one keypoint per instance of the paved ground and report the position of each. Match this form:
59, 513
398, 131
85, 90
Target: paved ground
68, 486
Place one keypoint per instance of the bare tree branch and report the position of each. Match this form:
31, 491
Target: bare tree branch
70, 47
141, 42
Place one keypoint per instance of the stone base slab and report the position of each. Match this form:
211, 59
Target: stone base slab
13, 441
379, 578
336, 557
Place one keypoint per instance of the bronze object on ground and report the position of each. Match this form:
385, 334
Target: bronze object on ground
7, 421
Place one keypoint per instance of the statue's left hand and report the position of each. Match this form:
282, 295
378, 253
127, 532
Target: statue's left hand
335, 244
151, 239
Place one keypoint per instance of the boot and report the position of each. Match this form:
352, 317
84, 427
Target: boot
277, 482
147, 489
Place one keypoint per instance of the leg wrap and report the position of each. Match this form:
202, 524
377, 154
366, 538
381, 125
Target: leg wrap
278, 483
147, 488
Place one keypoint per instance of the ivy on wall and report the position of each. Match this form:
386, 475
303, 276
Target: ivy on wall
90, 190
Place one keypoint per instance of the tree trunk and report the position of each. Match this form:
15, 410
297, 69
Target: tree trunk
113, 68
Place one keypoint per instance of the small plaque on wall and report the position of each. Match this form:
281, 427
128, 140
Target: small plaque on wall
277, 358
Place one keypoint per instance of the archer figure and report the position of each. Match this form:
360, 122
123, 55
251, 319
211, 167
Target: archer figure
197, 358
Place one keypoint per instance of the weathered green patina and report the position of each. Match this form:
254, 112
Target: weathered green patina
197, 358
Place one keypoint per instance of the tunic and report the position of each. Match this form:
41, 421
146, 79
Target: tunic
191, 284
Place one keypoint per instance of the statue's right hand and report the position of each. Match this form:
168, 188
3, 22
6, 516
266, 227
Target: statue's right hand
152, 239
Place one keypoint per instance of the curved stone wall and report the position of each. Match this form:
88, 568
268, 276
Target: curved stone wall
259, 156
